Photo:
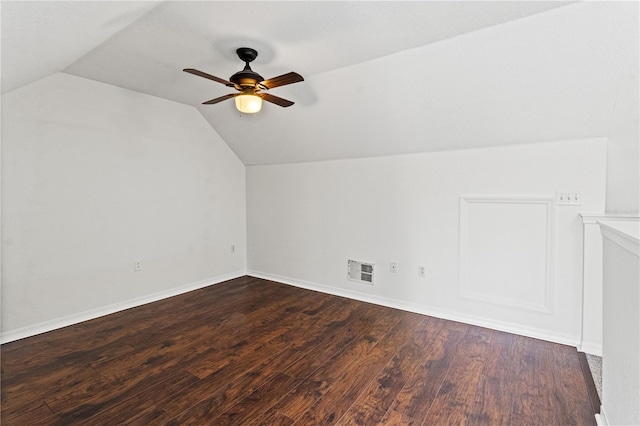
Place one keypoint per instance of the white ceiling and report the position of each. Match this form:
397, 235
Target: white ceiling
381, 78
40, 38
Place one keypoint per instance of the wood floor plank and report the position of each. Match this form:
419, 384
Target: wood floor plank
124, 377
305, 395
306, 359
227, 380
254, 405
149, 417
24, 354
19, 394
267, 322
340, 397
252, 357
256, 375
374, 402
225, 398
252, 351
422, 387
40, 414
493, 398
456, 396
122, 412
394, 417
568, 407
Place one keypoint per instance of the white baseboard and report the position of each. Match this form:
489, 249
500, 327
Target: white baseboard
424, 310
32, 330
601, 419
21, 333
590, 348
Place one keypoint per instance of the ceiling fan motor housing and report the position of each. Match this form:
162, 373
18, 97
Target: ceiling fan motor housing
246, 78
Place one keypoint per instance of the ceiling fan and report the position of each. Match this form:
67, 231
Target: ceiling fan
250, 85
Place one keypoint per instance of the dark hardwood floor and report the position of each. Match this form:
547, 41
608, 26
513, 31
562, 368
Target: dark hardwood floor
250, 351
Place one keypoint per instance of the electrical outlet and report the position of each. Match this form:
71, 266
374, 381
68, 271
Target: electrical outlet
137, 265
393, 267
422, 271
568, 198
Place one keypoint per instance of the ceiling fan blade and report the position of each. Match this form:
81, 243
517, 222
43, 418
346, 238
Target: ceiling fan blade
209, 76
281, 80
220, 99
275, 100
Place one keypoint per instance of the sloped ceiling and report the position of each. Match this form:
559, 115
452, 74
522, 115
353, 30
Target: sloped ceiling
40, 38
381, 78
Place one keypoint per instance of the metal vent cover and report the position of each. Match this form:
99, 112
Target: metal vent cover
360, 271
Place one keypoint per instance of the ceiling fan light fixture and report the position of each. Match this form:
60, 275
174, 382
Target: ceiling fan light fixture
248, 103
250, 85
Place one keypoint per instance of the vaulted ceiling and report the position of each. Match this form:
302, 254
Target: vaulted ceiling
381, 78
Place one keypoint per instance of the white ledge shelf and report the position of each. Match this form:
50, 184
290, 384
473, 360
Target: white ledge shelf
624, 233
591, 217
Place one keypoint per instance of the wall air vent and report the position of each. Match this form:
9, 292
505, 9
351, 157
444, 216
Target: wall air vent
360, 271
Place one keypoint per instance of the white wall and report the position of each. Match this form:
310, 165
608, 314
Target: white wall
621, 307
623, 164
621, 344
621, 341
94, 177
305, 220
623, 155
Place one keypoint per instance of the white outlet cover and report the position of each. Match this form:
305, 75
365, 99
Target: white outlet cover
568, 198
